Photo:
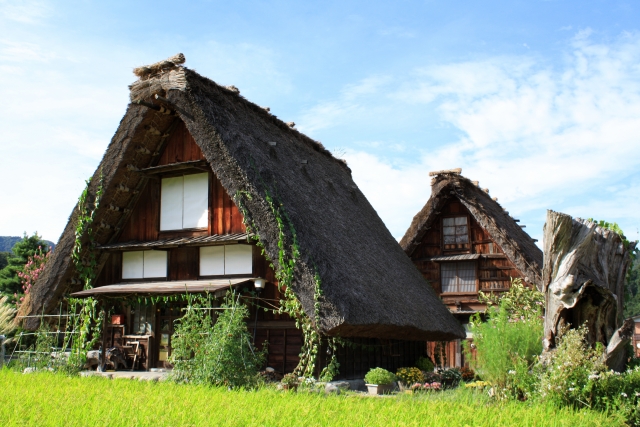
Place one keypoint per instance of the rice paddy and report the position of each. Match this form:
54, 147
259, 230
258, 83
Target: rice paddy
47, 399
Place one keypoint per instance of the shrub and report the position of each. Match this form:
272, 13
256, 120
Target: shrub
508, 343
424, 364
568, 372
433, 377
290, 380
379, 376
451, 377
410, 375
468, 374
215, 354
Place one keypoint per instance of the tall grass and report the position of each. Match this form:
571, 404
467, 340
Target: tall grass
47, 399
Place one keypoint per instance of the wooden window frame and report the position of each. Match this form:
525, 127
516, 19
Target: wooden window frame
442, 244
477, 282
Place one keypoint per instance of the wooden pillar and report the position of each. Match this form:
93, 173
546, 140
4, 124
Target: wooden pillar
103, 353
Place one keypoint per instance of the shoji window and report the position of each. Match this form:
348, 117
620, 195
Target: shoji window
184, 202
144, 264
227, 259
458, 276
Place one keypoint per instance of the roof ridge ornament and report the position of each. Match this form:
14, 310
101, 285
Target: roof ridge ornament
171, 62
456, 171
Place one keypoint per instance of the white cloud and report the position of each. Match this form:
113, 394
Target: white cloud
24, 11
538, 136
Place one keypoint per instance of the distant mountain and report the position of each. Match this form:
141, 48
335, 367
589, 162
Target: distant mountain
7, 242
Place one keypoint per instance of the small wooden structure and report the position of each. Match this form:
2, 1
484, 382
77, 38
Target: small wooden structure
464, 242
187, 155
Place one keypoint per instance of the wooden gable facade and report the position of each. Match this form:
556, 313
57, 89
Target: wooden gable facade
225, 221
459, 249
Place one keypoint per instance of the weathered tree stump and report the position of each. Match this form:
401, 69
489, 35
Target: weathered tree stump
583, 279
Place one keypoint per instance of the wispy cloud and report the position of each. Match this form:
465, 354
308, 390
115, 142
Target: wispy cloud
538, 136
24, 11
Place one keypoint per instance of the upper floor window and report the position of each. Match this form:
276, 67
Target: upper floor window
226, 259
184, 202
458, 276
144, 264
455, 232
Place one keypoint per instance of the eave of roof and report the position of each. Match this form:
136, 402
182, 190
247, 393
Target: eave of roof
163, 288
216, 239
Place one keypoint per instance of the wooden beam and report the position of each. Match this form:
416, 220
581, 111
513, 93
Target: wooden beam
174, 167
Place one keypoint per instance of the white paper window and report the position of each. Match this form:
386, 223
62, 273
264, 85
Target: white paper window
238, 259
196, 201
211, 260
184, 202
132, 265
227, 259
144, 264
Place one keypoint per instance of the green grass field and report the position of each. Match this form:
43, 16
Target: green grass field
46, 399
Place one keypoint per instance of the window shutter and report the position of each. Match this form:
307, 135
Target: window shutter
196, 201
171, 203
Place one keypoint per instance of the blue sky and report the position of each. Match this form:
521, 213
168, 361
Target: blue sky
538, 100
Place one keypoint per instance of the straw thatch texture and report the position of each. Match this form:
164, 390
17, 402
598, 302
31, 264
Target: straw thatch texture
517, 245
371, 288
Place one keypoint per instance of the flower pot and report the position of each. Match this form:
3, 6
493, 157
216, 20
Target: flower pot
375, 389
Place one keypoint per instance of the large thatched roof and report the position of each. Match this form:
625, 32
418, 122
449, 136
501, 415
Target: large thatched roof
370, 286
517, 245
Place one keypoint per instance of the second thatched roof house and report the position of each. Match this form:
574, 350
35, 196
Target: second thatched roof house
464, 242
193, 170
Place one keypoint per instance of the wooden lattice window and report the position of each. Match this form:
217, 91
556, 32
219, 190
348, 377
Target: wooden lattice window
458, 277
455, 233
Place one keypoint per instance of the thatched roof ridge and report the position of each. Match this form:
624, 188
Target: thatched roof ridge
517, 245
370, 287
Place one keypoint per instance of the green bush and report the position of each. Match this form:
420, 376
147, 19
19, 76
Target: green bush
410, 375
451, 377
508, 343
424, 364
379, 376
215, 354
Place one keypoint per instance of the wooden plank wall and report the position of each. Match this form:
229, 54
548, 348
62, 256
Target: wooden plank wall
363, 354
493, 273
144, 222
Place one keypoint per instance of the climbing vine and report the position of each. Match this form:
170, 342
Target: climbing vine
88, 323
290, 304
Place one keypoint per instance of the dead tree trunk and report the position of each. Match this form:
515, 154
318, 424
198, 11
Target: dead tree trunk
583, 279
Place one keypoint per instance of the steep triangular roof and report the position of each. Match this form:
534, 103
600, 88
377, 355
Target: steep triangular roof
370, 288
517, 245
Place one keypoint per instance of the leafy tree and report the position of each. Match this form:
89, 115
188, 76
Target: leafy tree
632, 291
27, 247
4, 256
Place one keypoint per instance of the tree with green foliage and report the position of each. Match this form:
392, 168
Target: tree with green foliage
632, 291
10, 284
4, 259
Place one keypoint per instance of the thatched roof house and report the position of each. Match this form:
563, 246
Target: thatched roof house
518, 246
370, 287
463, 242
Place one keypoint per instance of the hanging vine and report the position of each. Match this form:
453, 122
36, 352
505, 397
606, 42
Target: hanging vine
290, 304
87, 324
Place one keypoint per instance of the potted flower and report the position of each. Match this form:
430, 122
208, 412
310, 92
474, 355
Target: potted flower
379, 381
408, 376
289, 382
